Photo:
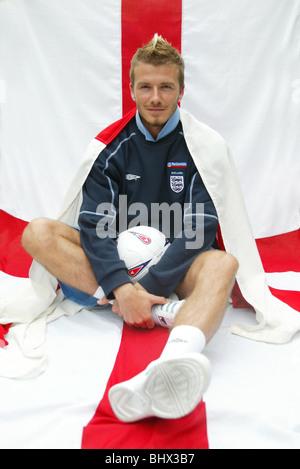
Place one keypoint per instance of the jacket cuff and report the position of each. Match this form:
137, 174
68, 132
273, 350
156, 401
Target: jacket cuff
113, 281
153, 286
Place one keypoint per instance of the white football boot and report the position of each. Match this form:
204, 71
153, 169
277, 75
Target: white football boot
164, 315
168, 388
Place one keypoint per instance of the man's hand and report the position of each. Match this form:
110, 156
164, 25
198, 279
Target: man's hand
133, 303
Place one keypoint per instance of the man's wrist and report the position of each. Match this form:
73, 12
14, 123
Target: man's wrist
138, 286
123, 290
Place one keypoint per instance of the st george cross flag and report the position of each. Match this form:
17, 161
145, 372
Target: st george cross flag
242, 79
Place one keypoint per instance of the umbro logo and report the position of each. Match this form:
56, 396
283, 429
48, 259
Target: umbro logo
132, 177
177, 339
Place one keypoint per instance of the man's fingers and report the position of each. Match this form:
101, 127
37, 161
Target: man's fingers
116, 308
159, 300
103, 301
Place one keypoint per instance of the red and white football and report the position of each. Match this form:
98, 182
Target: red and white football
140, 248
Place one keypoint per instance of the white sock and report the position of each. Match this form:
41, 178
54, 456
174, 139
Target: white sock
99, 293
184, 339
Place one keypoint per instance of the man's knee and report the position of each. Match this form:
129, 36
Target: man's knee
210, 266
229, 263
222, 262
215, 264
36, 233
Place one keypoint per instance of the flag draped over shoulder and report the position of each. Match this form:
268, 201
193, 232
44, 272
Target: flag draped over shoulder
40, 302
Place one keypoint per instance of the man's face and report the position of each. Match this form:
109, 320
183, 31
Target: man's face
156, 91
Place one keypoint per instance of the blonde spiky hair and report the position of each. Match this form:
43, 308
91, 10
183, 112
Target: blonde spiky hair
156, 37
158, 52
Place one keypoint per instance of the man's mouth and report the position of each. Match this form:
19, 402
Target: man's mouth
158, 110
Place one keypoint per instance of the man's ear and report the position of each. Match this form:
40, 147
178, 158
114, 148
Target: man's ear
181, 94
131, 91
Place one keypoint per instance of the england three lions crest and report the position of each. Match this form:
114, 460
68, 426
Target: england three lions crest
177, 182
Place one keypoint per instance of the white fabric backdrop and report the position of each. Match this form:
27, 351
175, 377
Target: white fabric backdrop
60, 83
242, 80
61, 68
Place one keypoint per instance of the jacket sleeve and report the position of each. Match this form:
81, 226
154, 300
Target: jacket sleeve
97, 223
199, 229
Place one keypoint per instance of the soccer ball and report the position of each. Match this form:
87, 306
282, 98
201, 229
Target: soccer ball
140, 248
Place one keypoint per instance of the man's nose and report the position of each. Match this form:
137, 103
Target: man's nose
155, 96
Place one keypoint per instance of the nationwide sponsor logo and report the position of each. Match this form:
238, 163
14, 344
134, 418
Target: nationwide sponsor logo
177, 164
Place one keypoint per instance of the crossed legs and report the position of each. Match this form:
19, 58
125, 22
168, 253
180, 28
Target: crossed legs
206, 286
182, 371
